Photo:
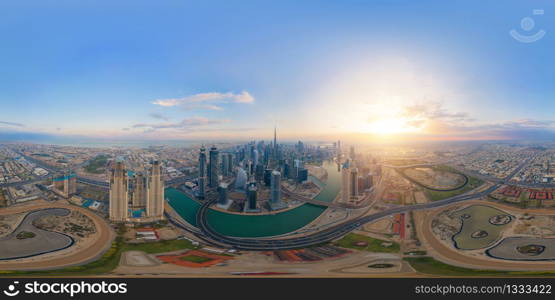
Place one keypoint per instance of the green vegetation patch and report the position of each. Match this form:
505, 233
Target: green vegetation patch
416, 252
361, 242
195, 259
435, 194
109, 261
97, 164
381, 266
473, 183
531, 249
405, 162
160, 247
25, 235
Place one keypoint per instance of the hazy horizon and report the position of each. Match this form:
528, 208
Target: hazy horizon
375, 72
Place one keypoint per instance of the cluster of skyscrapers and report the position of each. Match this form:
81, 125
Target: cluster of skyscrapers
146, 193
248, 167
354, 182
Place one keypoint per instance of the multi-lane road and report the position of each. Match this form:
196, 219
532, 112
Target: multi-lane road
332, 232
321, 236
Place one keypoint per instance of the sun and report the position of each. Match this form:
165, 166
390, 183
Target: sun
388, 126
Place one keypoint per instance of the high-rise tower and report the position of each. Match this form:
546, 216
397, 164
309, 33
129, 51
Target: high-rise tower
225, 164
352, 154
202, 172
276, 158
213, 168
275, 200
251, 199
65, 185
155, 192
139, 191
118, 193
276, 182
354, 183
222, 194
345, 182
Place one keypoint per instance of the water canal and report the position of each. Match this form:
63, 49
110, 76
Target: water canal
259, 225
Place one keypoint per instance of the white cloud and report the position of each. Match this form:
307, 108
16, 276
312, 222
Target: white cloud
206, 100
11, 124
189, 123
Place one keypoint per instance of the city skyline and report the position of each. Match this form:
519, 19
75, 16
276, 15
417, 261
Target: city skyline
216, 139
382, 72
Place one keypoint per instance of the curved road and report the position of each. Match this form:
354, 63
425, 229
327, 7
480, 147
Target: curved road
332, 232
89, 250
322, 236
43, 241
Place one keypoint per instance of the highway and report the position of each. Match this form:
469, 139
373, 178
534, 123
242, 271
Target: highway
262, 244
331, 233
322, 236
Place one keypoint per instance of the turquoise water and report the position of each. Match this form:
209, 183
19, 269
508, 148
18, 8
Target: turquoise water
258, 225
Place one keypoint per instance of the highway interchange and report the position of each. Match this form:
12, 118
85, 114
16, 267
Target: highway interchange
264, 244
210, 235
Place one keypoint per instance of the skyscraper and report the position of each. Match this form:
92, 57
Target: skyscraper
139, 191
275, 201
286, 170
276, 148
353, 183
241, 179
201, 187
300, 147
65, 185
118, 193
275, 139
255, 157
251, 198
202, 172
155, 192
250, 169
230, 163
222, 194
276, 185
302, 175
267, 177
345, 183
213, 168
224, 165
259, 173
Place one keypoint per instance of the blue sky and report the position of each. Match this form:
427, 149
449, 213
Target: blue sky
317, 69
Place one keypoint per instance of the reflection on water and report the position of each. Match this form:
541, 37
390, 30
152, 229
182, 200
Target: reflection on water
258, 225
